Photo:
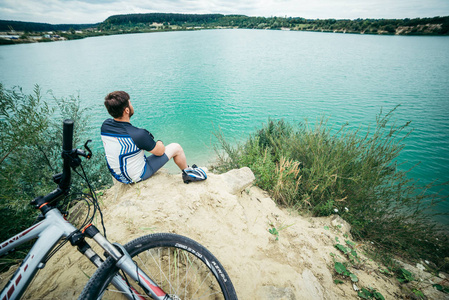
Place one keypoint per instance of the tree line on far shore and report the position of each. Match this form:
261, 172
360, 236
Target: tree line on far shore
437, 25
8, 26
170, 21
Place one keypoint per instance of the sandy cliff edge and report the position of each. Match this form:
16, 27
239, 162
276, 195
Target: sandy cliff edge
231, 218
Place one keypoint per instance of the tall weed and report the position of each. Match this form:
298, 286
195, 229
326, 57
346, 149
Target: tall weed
30, 153
315, 168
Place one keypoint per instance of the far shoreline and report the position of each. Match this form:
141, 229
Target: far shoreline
24, 37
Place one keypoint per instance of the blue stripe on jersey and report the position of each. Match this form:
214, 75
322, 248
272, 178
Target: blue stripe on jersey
128, 150
114, 134
127, 146
120, 178
124, 164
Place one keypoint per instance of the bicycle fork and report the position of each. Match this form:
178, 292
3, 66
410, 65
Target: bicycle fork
125, 263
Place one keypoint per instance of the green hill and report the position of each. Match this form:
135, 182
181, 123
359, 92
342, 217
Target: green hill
6, 25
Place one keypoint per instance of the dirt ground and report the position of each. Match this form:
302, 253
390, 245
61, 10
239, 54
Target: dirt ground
232, 219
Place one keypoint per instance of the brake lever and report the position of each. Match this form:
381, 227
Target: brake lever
76, 161
89, 152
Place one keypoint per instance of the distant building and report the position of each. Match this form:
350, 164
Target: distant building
11, 37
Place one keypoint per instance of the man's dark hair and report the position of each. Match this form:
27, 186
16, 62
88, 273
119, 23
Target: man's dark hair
116, 102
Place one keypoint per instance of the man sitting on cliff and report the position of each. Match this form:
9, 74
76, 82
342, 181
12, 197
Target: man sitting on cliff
124, 146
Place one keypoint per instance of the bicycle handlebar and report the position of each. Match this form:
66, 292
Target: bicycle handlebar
71, 159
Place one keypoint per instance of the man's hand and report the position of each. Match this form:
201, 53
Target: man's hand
159, 149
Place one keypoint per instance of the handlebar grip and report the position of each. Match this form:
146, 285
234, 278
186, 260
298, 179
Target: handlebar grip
67, 135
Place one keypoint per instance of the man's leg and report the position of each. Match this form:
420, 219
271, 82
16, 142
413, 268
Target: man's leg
176, 152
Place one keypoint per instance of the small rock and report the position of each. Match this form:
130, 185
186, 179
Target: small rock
273, 292
312, 286
238, 180
420, 267
337, 221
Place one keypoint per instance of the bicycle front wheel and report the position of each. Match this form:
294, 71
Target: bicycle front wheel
180, 266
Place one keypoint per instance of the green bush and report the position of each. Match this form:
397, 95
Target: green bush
315, 169
30, 153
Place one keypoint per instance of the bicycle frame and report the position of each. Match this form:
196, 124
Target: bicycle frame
54, 227
49, 231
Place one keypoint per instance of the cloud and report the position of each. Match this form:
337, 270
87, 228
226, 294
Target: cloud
50, 11
353, 9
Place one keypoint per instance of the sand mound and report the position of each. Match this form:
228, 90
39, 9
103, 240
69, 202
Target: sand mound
231, 218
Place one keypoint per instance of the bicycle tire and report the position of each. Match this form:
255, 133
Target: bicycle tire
162, 246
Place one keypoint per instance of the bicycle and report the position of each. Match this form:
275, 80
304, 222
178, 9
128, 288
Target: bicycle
160, 266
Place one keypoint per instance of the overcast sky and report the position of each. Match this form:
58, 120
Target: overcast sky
94, 11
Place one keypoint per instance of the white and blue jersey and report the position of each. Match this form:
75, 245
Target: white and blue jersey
124, 147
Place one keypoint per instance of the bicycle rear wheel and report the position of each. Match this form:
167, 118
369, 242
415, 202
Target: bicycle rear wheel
180, 266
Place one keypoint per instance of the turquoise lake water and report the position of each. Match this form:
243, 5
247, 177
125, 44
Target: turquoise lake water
184, 85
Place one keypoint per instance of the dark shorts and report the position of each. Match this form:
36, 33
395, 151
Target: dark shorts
154, 163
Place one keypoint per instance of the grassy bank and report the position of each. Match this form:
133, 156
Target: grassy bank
321, 171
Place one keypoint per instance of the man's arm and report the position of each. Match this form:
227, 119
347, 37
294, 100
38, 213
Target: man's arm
145, 140
159, 149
